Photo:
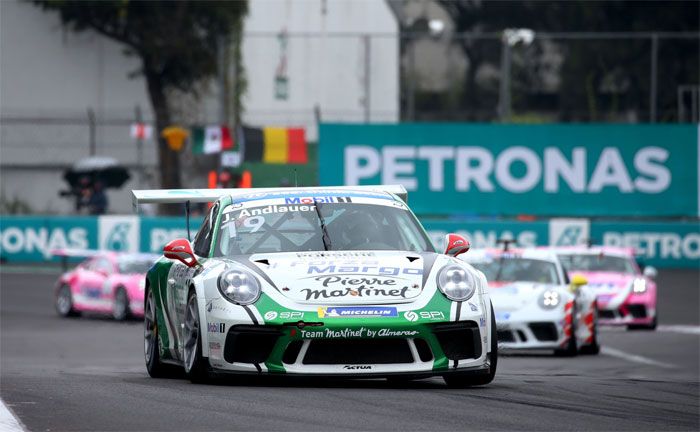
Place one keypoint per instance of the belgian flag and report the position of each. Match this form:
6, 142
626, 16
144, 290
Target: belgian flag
275, 145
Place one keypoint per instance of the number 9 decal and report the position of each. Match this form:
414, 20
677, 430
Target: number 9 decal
254, 223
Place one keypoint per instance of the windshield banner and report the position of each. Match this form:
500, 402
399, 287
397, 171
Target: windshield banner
506, 170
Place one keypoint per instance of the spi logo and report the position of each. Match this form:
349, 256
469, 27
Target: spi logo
286, 315
429, 315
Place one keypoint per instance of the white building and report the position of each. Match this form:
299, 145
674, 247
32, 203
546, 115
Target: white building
50, 78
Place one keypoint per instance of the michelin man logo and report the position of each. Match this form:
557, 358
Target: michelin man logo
411, 316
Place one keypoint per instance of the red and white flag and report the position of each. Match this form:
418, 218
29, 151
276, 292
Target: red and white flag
141, 131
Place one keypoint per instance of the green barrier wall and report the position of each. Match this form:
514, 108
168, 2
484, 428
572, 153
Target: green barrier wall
663, 244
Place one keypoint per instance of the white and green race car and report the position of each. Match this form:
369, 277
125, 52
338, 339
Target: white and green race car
339, 281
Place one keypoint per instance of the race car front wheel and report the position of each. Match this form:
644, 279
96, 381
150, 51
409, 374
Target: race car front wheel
154, 366
592, 348
461, 380
64, 302
570, 349
195, 365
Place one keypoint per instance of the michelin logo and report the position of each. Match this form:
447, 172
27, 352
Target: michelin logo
352, 312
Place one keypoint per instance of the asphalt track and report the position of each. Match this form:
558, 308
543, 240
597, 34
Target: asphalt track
88, 374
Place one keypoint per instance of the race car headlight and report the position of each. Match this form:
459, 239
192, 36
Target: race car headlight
239, 286
549, 299
639, 286
456, 283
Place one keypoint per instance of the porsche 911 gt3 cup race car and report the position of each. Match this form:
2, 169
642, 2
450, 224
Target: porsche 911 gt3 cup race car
537, 306
105, 283
626, 295
316, 281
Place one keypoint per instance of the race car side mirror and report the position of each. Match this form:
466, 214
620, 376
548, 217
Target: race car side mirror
650, 272
180, 250
456, 245
578, 280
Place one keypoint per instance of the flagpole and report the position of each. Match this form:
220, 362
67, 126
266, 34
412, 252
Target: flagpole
139, 145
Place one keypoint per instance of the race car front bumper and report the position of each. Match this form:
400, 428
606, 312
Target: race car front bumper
627, 314
518, 330
368, 347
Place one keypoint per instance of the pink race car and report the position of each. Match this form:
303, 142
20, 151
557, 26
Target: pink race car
105, 283
626, 295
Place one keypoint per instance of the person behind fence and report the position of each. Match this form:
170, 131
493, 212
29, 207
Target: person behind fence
97, 203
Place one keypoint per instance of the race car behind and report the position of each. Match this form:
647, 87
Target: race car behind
535, 303
626, 294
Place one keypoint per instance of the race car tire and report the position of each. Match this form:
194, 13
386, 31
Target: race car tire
64, 302
571, 348
196, 367
651, 326
154, 366
458, 380
120, 309
592, 348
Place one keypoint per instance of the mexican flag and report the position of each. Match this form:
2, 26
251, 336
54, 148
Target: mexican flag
211, 139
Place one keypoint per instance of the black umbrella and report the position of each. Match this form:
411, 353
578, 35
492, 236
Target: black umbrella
104, 170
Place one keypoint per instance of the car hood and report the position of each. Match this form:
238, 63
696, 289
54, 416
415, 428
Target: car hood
607, 282
362, 277
516, 295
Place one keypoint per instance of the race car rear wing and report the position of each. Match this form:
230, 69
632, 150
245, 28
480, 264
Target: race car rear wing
182, 196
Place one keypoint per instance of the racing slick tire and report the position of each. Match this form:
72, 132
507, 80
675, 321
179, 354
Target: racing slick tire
571, 348
196, 366
155, 367
592, 348
120, 310
64, 302
463, 380
650, 326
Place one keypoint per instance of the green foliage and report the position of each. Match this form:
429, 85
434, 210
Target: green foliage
600, 78
176, 41
14, 205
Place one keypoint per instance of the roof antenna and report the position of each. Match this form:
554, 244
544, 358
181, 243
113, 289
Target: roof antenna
187, 218
506, 242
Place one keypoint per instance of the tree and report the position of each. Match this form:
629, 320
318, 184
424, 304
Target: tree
177, 43
596, 74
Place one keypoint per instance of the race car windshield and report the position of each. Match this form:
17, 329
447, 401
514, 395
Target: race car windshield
134, 266
319, 227
519, 270
597, 263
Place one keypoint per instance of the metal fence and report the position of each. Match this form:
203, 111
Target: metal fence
515, 75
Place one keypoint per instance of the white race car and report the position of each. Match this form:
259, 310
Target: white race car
536, 305
315, 281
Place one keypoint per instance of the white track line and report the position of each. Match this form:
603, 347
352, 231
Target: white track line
8, 421
685, 329
612, 352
